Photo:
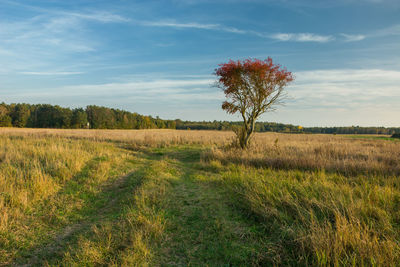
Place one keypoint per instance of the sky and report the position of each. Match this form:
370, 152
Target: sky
158, 57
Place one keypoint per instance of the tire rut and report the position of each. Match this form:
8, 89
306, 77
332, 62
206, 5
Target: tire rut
60, 241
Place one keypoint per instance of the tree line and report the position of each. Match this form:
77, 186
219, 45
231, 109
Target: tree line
284, 128
96, 117
228, 125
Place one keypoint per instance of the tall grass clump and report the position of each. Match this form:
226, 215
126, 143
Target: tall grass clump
321, 219
39, 182
348, 156
323, 200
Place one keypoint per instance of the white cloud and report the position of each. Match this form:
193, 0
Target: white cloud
233, 30
296, 37
51, 73
318, 97
193, 25
317, 88
342, 97
143, 89
353, 37
99, 16
348, 75
302, 37
392, 30
388, 31
149, 88
42, 31
180, 25
284, 37
346, 88
38, 43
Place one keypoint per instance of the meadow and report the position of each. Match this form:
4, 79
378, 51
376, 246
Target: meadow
189, 198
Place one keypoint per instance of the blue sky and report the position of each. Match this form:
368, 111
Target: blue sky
157, 57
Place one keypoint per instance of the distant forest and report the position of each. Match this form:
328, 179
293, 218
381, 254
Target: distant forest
96, 117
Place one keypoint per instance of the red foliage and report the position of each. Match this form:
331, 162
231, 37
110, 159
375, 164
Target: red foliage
230, 73
252, 87
251, 82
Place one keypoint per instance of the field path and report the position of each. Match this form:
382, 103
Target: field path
201, 224
169, 210
112, 193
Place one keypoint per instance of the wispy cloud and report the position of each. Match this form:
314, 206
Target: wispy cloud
353, 37
95, 15
51, 73
180, 25
193, 25
41, 40
344, 97
302, 37
284, 37
388, 31
346, 88
322, 97
147, 95
38, 42
296, 37
99, 16
147, 90
392, 30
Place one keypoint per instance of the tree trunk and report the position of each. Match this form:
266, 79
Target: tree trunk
244, 138
246, 141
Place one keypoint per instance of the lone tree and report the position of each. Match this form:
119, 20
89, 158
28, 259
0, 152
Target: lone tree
252, 87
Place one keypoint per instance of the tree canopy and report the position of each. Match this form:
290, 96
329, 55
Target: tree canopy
252, 87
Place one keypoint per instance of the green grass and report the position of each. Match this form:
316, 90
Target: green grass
165, 211
169, 207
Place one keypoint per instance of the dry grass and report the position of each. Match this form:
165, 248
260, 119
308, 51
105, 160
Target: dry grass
320, 219
153, 138
319, 200
289, 151
316, 152
323, 199
38, 176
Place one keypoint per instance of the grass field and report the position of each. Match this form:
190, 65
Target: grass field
186, 198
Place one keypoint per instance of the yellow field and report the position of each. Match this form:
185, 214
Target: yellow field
152, 197
145, 137
329, 152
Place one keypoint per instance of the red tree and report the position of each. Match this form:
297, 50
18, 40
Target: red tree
252, 87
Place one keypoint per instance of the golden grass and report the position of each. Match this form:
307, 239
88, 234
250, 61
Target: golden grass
322, 200
329, 152
34, 173
316, 152
320, 219
142, 223
162, 137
